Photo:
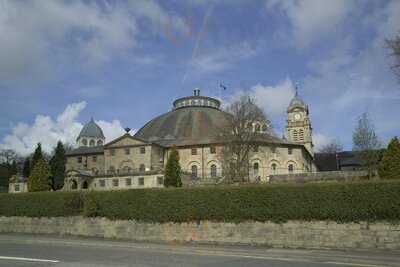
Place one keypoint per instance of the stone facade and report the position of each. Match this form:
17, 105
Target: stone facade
123, 163
187, 128
292, 234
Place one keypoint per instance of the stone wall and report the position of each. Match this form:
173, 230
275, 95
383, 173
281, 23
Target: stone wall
293, 234
318, 176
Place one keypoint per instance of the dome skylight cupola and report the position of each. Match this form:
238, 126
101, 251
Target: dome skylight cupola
196, 100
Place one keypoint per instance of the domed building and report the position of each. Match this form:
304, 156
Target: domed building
192, 127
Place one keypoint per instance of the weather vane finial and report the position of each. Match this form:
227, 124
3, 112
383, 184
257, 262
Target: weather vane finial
296, 86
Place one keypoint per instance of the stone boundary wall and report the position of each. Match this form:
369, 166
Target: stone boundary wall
292, 234
318, 176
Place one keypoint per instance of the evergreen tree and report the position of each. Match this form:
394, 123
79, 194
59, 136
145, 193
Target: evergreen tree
40, 176
37, 155
173, 170
57, 167
27, 168
389, 166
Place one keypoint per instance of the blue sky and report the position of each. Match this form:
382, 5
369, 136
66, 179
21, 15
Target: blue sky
124, 62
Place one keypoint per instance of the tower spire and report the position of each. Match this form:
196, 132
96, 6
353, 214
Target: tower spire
296, 86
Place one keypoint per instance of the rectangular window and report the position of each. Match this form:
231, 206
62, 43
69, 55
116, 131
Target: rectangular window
16, 187
142, 150
290, 151
255, 148
273, 150
142, 168
212, 150
115, 182
79, 159
194, 151
127, 151
141, 181
128, 181
112, 152
94, 158
160, 180
102, 183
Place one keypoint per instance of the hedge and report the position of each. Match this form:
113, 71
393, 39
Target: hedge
341, 202
40, 204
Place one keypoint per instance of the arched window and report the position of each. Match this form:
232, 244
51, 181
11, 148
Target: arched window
194, 171
301, 135
84, 142
142, 168
213, 170
74, 185
273, 167
257, 129
290, 168
85, 185
92, 143
294, 135
256, 168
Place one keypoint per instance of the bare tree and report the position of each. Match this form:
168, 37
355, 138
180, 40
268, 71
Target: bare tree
366, 142
332, 148
8, 156
394, 46
246, 124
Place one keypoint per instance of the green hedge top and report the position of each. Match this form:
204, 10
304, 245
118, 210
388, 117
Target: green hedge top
341, 202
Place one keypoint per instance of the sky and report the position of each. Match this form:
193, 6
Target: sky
124, 62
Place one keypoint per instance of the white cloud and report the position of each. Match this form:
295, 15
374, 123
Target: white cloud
274, 99
24, 138
311, 19
40, 35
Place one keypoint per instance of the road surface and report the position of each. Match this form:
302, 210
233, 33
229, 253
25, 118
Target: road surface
34, 250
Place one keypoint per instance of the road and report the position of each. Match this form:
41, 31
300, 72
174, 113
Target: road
33, 250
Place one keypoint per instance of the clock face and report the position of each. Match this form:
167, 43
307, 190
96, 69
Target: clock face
297, 116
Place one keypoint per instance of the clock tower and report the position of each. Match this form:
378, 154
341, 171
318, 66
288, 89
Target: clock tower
298, 129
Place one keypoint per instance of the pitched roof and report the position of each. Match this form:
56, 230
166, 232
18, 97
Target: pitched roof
85, 150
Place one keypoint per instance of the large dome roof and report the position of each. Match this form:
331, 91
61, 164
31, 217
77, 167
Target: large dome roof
91, 129
193, 120
184, 126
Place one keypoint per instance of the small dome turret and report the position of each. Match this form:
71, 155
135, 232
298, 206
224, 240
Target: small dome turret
91, 135
297, 102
